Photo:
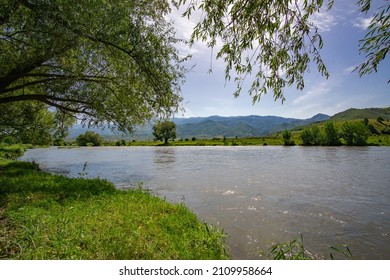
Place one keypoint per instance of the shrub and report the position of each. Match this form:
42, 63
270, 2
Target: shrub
355, 134
89, 138
311, 136
287, 141
332, 136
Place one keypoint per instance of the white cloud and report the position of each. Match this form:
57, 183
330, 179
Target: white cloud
314, 94
362, 23
324, 20
184, 27
349, 69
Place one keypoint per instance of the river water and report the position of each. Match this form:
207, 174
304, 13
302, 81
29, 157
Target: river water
258, 195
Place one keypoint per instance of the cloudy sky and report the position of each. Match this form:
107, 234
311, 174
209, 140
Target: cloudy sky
207, 94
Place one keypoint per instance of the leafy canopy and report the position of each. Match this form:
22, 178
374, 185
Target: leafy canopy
104, 61
272, 42
89, 138
31, 123
164, 131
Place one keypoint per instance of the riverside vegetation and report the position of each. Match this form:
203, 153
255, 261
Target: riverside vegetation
353, 133
44, 216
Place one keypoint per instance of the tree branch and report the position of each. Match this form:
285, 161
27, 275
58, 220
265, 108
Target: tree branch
39, 97
54, 77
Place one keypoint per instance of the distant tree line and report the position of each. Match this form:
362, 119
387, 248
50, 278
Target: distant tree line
350, 134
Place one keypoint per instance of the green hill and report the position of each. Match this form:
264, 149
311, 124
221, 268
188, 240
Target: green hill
369, 113
377, 123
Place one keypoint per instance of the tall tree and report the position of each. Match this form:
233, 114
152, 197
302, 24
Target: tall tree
332, 136
274, 41
164, 130
104, 61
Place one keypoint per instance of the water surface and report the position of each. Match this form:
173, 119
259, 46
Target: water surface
258, 195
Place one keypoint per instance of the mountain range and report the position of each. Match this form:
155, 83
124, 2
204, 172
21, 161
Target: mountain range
213, 126
241, 126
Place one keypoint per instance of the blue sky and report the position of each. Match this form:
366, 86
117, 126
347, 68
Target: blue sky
208, 94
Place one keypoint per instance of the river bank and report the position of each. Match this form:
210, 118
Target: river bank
272, 140
45, 216
259, 195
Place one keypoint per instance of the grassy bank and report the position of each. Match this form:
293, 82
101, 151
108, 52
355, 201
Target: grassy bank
272, 140
9, 152
44, 216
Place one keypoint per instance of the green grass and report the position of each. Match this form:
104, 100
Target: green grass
380, 139
271, 140
218, 141
8, 152
44, 216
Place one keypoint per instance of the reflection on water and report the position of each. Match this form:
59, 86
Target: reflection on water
258, 195
164, 155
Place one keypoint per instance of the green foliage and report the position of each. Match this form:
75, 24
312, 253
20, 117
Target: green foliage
332, 137
355, 114
376, 42
380, 119
355, 134
275, 41
287, 141
290, 250
386, 131
295, 250
164, 131
31, 122
261, 39
341, 250
120, 143
43, 216
89, 138
372, 129
351, 134
104, 61
311, 136
11, 151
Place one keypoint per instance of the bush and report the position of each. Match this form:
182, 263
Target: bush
89, 138
355, 134
120, 143
287, 141
311, 136
332, 136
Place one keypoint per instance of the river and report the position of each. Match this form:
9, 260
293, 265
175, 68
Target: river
257, 195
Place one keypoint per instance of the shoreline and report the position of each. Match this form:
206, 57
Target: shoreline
46, 216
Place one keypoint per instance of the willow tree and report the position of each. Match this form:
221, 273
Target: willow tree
102, 61
376, 43
272, 42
